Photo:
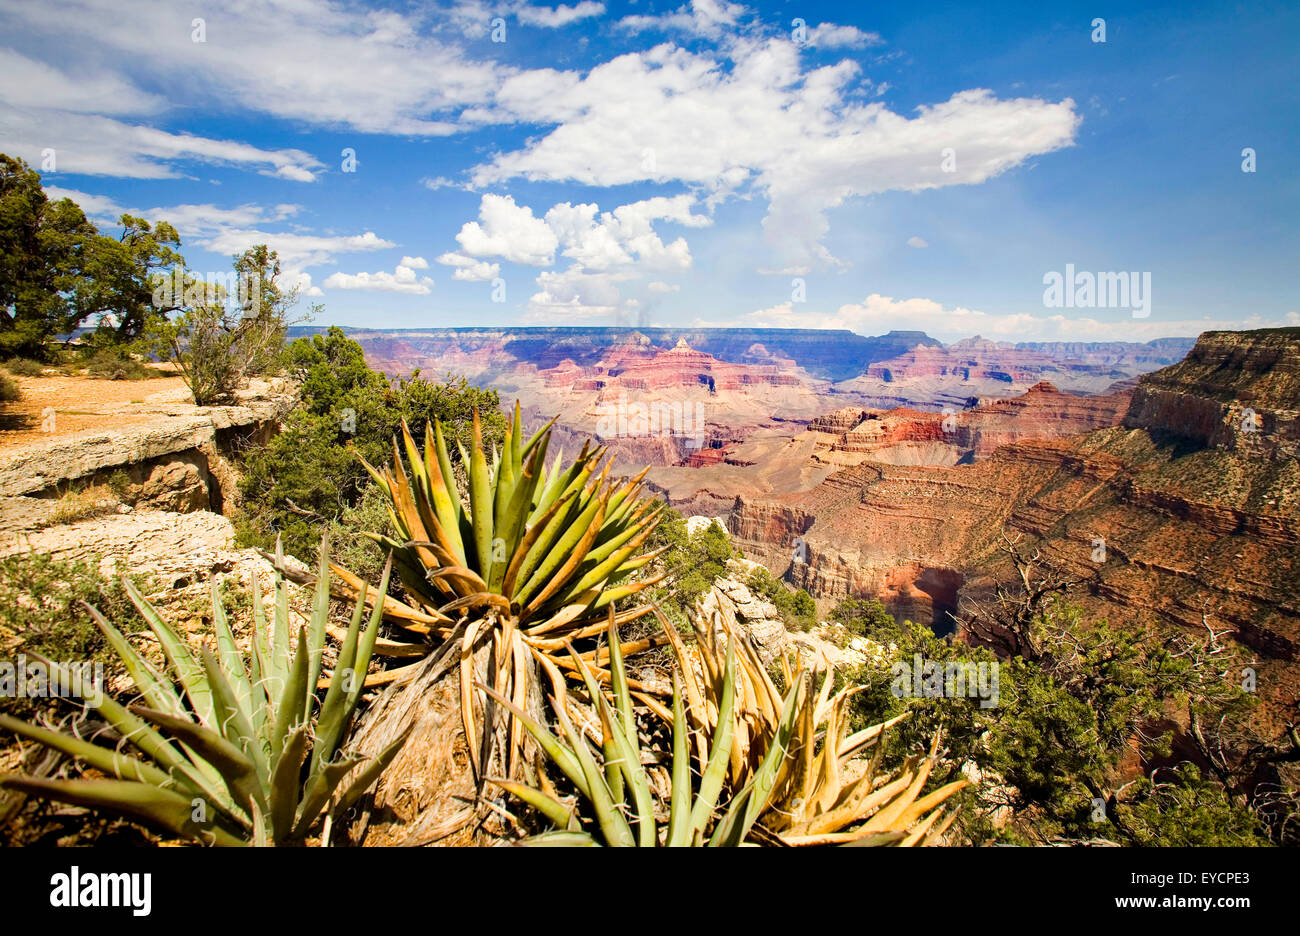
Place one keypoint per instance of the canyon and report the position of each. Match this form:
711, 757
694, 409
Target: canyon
718, 412
1184, 513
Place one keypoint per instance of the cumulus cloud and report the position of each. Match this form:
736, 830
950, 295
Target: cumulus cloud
916, 242
510, 231
606, 240
574, 294
402, 280
469, 269
756, 121
605, 246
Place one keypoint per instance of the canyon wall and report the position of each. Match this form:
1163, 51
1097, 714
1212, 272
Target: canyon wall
1179, 516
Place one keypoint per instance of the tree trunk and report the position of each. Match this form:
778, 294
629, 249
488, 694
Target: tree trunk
431, 793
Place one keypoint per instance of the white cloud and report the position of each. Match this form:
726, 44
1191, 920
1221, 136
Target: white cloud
658, 286
401, 280
561, 15
625, 236
415, 263
510, 231
189, 220
707, 18
469, 269
831, 36
573, 294
606, 247
25, 82
302, 281
755, 121
92, 145
916, 242
296, 250
386, 74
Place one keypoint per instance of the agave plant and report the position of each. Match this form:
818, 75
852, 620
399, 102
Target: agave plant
222, 753
778, 788
818, 799
531, 559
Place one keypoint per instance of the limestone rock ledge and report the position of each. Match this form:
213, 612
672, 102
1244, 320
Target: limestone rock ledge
156, 430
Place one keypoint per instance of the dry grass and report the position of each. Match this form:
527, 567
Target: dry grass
74, 506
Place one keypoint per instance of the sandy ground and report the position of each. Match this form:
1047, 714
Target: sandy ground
82, 404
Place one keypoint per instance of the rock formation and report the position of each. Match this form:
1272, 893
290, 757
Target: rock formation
172, 454
1187, 513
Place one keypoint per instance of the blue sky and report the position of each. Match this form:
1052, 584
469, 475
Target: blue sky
797, 164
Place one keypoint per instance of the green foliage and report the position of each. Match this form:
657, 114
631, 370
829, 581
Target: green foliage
693, 562
797, 608
309, 474
9, 391
25, 367
116, 363
46, 248
862, 616
41, 611
1063, 727
215, 344
1180, 807
220, 751
352, 548
121, 279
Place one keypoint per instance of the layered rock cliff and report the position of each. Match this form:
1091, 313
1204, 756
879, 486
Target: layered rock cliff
1179, 516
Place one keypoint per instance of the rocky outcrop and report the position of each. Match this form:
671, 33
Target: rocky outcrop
909, 437
826, 645
176, 550
1239, 391
169, 454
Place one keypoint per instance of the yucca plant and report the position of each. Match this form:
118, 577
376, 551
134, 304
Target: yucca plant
222, 753
816, 799
531, 559
615, 786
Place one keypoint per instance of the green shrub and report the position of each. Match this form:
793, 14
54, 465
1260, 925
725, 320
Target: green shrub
798, 609
695, 562
41, 611
117, 364
309, 474
9, 392
862, 616
351, 548
25, 367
